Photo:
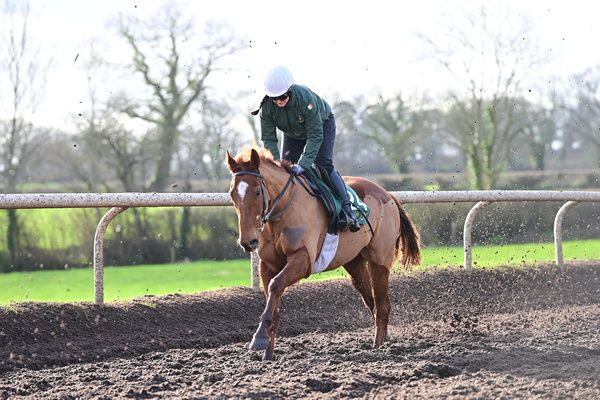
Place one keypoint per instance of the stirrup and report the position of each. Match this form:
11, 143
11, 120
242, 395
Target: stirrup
353, 225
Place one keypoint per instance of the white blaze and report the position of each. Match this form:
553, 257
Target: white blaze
242, 187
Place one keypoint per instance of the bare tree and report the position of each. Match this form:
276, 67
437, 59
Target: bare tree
21, 91
541, 129
487, 141
85, 157
201, 155
584, 112
489, 60
174, 70
354, 153
394, 127
116, 156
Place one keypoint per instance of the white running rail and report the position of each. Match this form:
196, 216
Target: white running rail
119, 202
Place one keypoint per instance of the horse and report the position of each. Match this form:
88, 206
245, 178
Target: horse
287, 226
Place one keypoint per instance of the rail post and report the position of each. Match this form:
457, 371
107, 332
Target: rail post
467, 231
99, 253
254, 279
560, 215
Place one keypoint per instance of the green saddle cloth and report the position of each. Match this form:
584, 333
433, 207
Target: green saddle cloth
359, 208
333, 203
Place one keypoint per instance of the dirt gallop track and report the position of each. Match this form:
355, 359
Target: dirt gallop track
509, 333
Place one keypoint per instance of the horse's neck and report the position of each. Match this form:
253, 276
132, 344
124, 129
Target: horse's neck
295, 204
275, 179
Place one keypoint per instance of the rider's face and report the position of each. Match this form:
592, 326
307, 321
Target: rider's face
282, 100
282, 103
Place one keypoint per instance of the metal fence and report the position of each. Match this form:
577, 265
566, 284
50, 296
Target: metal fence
119, 202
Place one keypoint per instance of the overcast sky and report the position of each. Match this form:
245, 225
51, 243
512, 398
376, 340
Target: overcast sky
335, 47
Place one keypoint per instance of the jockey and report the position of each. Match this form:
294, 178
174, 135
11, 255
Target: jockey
309, 131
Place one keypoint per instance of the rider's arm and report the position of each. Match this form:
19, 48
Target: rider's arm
268, 133
314, 133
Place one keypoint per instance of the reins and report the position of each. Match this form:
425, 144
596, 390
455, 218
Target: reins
311, 191
266, 214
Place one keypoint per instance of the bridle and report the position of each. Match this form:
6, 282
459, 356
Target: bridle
266, 213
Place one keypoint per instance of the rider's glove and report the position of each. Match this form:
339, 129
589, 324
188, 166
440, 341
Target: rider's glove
297, 170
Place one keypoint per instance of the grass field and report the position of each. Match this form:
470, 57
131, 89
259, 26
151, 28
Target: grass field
121, 283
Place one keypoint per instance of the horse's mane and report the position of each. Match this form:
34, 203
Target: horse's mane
243, 159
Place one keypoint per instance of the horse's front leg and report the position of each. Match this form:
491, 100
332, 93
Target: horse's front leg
295, 269
268, 355
260, 339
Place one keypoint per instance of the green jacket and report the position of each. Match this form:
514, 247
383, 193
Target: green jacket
301, 118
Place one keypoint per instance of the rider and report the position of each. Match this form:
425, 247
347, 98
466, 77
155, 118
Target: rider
309, 131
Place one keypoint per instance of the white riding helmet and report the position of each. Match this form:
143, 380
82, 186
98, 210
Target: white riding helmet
279, 79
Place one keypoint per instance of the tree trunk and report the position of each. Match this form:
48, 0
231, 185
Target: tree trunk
476, 167
163, 167
538, 157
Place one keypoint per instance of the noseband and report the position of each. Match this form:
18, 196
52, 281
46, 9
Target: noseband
266, 213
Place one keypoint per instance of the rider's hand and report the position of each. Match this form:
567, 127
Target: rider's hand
297, 170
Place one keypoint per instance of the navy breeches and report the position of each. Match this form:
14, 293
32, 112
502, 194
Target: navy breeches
293, 148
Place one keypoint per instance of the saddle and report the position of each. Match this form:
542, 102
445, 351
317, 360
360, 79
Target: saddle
322, 187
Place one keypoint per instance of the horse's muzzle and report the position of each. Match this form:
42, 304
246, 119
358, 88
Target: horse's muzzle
250, 246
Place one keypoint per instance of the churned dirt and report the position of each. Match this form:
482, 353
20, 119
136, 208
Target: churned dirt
506, 333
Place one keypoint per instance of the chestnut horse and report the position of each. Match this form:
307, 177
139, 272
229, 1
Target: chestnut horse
288, 226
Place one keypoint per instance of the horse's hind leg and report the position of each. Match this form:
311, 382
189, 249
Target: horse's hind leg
380, 275
357, 269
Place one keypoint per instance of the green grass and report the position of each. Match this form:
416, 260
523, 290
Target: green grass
513, 254
53, 228
121, 283
60, 228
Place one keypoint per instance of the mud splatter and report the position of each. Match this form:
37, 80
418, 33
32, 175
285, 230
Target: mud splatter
516, 333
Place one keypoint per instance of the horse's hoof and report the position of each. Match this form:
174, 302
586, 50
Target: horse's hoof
259, 343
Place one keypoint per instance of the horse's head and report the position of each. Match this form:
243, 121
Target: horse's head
249, 197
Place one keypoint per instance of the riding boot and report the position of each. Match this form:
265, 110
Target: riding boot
346, 217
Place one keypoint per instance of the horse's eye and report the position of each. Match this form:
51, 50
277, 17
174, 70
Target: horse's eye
257, 193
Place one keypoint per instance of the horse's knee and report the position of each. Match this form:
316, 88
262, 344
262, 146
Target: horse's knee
276, 287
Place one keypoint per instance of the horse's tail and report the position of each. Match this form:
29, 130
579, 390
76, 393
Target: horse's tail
409, 238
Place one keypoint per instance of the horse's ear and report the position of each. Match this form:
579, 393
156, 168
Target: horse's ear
231, 163
255, 158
